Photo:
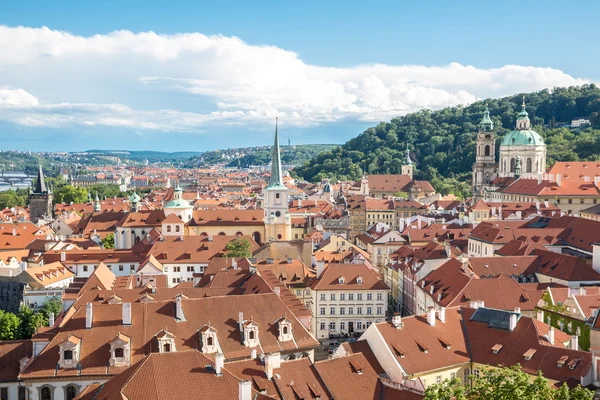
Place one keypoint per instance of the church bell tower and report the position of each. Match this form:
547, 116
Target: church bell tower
278, 224
485, 169
40, 201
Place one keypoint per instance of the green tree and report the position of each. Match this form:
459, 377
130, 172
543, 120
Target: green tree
30, 321
12, 198
109, 241
9, 326
70, 194
238, 248
52, 305
506, 383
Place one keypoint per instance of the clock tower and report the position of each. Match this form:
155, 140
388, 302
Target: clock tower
277, 220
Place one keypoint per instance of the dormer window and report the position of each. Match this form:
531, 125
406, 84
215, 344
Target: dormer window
69, 352
250, 333
120, 348
168, 228
359, 280
208, 339
341, 280
285, 329
166, 341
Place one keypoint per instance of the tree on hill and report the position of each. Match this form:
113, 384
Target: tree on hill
238, 248
507, 383
13, 198
442, 143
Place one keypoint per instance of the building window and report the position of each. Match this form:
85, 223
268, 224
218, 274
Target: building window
369, 311
119, 352
120, 268
322, 310
4, 393
466, 374
68, 355
350, 310
379, 310
570, 201
438, 379
342, 296
167, 348
359, 325
190, 269
322, 326
332, 326
342, 326
359, 310
350, 297
168, 228
332, 297
342, 310
369, 297
379, 296
46, 393
132, 267
359, 297
332, 310
85, 268
323, 296
176, 269
71, 392
452, 376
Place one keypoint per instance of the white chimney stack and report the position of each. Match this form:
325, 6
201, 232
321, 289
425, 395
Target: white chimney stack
551, 335
245, 390
234, 263
320, 268
179, 309
518, 310
443, 314
397, 320
51, 319
14, 232
88, 316
126, 313
431, 316
277, 290
240, 320
574, 342
219, 363
253, 354
272, 362
539, 178
63, 256
513, 322
558, 179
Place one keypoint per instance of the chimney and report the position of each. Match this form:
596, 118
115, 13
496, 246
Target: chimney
442, 315
540, 316
518, 310
126, 313
245, 390
234, 263
240, 320
320, 268
272, 362
551, 335
277, 290
88, 316
14, 232
537, 205
253, 354
558, 179
574, 342
481, 303
539, 178
179, 309
474, 304
50, 319
546, 203
431, 316
397, 320
299, 203
513, 322
418, 223
63, 256
219, 363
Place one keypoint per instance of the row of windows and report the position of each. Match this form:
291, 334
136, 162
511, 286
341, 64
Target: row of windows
359, 310
359, 296
190, 268
358, 325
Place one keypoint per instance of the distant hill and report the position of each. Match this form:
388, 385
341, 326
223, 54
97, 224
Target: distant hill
442, 143
259, 155
151, 156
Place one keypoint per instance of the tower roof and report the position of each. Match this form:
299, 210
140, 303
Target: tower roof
486, 122
408, 160
276, 180
40, 186
523, 114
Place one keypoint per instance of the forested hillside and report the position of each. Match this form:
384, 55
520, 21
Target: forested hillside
442, 143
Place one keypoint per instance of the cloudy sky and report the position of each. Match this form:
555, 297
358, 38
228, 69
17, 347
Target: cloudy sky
151, 76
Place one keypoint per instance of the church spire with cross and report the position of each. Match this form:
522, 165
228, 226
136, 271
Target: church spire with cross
276, 179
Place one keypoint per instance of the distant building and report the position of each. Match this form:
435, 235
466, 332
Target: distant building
40, 201
579, 122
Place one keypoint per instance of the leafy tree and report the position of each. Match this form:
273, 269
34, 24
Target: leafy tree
238, 248
70, 194
103, 191
13, 198
109, 241
506, 383
9, 326
52, 305
30, 321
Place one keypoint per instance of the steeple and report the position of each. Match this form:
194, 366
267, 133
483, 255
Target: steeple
97, 207
408, 160
523, 122
40, 186
276, 175
486, 123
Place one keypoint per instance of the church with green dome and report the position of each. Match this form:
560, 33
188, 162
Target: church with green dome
525, 143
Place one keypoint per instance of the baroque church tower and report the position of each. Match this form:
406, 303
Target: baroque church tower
40, 201
485, 169
278, 225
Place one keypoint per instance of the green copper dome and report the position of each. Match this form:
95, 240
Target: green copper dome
178, 203
525, 137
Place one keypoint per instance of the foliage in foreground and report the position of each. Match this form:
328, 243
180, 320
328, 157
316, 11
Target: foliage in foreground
504, 384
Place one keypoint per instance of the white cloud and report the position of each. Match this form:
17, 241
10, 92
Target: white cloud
151, 81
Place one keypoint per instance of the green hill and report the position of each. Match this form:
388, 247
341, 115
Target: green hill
442, 143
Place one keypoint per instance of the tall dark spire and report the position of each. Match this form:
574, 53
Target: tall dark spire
276, 175
40, 186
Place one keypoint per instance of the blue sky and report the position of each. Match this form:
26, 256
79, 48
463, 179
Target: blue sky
327, 69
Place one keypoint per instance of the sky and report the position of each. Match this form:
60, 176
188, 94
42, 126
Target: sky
197, 76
